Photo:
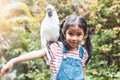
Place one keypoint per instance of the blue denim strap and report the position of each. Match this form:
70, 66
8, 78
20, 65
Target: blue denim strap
81, 51
64, 50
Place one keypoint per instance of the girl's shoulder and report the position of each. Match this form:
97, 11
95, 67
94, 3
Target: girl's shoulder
57, 44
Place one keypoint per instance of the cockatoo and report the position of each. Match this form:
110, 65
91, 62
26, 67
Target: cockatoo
49, 27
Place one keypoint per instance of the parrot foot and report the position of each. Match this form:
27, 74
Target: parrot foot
49, 43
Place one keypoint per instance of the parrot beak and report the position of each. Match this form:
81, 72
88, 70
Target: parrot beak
49, 12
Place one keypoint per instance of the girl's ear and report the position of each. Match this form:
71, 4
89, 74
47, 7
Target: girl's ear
83, 41
64, 35
84, 38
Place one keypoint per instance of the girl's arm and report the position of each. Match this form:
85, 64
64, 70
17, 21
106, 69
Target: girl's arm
28, 56
84, 71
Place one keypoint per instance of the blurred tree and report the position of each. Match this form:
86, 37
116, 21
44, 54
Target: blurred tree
105, 15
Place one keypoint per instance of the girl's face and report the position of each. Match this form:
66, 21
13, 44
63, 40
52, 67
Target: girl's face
74, 36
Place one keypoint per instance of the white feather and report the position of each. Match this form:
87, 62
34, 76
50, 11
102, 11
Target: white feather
49, 27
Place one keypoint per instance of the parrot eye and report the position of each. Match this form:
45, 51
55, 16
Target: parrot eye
49, 11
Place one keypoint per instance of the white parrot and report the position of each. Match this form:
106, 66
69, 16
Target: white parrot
49, 27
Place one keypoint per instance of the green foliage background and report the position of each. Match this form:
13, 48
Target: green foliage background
20, 28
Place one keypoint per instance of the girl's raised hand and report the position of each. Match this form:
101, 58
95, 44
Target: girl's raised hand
6, 68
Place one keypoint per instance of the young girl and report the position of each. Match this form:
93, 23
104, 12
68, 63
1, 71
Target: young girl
74, 30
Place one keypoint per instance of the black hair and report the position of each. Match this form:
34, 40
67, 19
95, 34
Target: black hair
81, 22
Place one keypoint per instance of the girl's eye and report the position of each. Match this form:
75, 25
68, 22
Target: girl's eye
79, 34
70, 33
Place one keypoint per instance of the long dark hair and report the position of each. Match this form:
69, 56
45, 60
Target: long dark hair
81, 22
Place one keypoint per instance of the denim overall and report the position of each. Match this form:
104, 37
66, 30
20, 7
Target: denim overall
71, 68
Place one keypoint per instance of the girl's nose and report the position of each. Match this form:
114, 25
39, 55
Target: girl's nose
74, 38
